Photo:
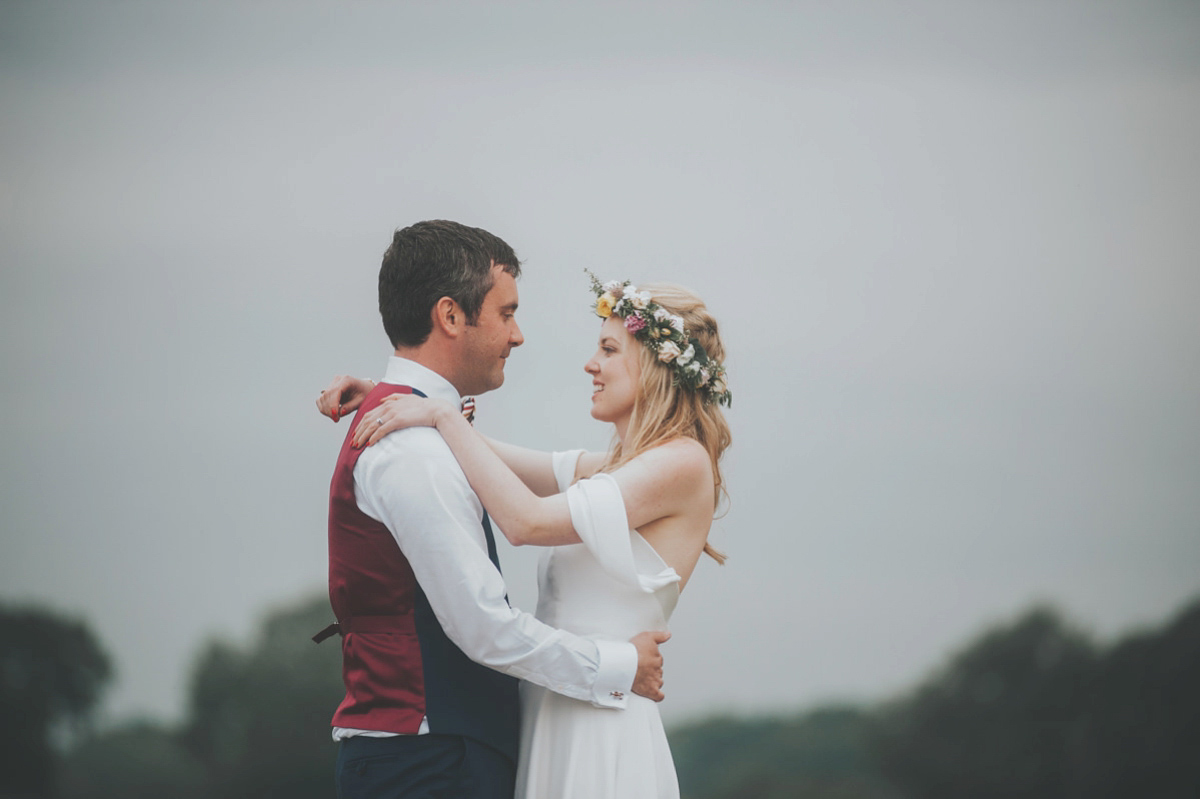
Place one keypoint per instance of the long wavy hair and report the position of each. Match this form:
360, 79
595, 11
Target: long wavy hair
663, 411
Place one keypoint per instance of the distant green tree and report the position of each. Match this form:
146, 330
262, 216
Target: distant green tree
1144, 728
52, 671
822, 754
1004, 719
136, 761
260, 719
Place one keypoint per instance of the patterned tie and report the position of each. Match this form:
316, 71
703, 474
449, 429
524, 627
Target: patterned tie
468, 409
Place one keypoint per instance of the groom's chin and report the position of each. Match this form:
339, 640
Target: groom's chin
493, 382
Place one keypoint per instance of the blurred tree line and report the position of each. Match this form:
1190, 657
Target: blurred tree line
1031, 708
257, 721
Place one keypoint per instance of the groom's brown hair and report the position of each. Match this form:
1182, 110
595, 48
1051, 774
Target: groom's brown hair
430, 260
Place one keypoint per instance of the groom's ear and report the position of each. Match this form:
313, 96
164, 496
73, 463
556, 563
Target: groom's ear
448, 317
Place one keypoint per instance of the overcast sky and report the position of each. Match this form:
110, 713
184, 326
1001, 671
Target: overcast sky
953, 247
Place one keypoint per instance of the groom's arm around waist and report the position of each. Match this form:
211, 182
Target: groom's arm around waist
410, 482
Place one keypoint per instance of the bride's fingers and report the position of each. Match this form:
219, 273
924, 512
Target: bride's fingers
378, 431
323, 406
370, 421
373, 427
329, 401
394, 412
365, 426
348, 400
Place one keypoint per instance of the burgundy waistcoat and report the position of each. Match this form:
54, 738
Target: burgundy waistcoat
397, 663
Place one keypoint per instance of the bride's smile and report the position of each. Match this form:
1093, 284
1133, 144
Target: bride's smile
616, 370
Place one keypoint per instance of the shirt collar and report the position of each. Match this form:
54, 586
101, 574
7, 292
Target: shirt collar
403, 372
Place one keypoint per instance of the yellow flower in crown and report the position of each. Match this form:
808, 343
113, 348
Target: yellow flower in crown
604, 305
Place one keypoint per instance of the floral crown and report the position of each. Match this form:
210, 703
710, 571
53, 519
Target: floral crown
663, 333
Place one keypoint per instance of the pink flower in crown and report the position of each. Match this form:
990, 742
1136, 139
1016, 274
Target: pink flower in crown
634, 322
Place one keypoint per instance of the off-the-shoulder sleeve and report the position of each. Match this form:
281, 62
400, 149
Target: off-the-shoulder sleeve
564, 464
598, 514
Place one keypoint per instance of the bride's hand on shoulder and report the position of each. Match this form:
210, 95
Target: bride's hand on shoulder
398, 411
343, 395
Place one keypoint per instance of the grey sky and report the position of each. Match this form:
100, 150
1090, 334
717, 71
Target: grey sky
953, 247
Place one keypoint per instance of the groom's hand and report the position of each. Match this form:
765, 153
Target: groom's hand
649, 678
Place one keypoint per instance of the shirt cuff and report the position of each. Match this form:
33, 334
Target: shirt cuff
614, 676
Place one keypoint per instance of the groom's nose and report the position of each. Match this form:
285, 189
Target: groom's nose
515, 337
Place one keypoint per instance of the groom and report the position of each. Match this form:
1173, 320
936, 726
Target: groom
431, 650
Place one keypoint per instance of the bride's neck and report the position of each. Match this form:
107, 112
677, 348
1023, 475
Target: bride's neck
622, 426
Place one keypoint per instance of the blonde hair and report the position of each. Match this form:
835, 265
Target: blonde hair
664, 411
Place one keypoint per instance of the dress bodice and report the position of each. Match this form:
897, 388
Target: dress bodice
614, 584
576, 594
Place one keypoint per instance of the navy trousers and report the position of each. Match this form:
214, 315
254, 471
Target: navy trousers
422, 767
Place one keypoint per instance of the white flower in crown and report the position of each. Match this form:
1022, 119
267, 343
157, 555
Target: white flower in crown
677, 322
614, 287
640, 299
704, 376
629, 290
693, 367
687, 355
661, 314
718, 386
668, 351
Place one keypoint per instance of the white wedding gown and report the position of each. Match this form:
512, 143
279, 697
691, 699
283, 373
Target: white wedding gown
614, 585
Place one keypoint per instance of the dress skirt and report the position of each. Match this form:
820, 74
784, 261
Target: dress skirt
573, 750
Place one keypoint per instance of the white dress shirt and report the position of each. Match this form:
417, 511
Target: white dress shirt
410, 482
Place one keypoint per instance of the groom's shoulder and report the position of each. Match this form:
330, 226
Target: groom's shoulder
412, 475
414, 449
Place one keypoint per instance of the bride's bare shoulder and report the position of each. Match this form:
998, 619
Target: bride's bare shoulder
684, 457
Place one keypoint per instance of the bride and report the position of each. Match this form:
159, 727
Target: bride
624, 529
